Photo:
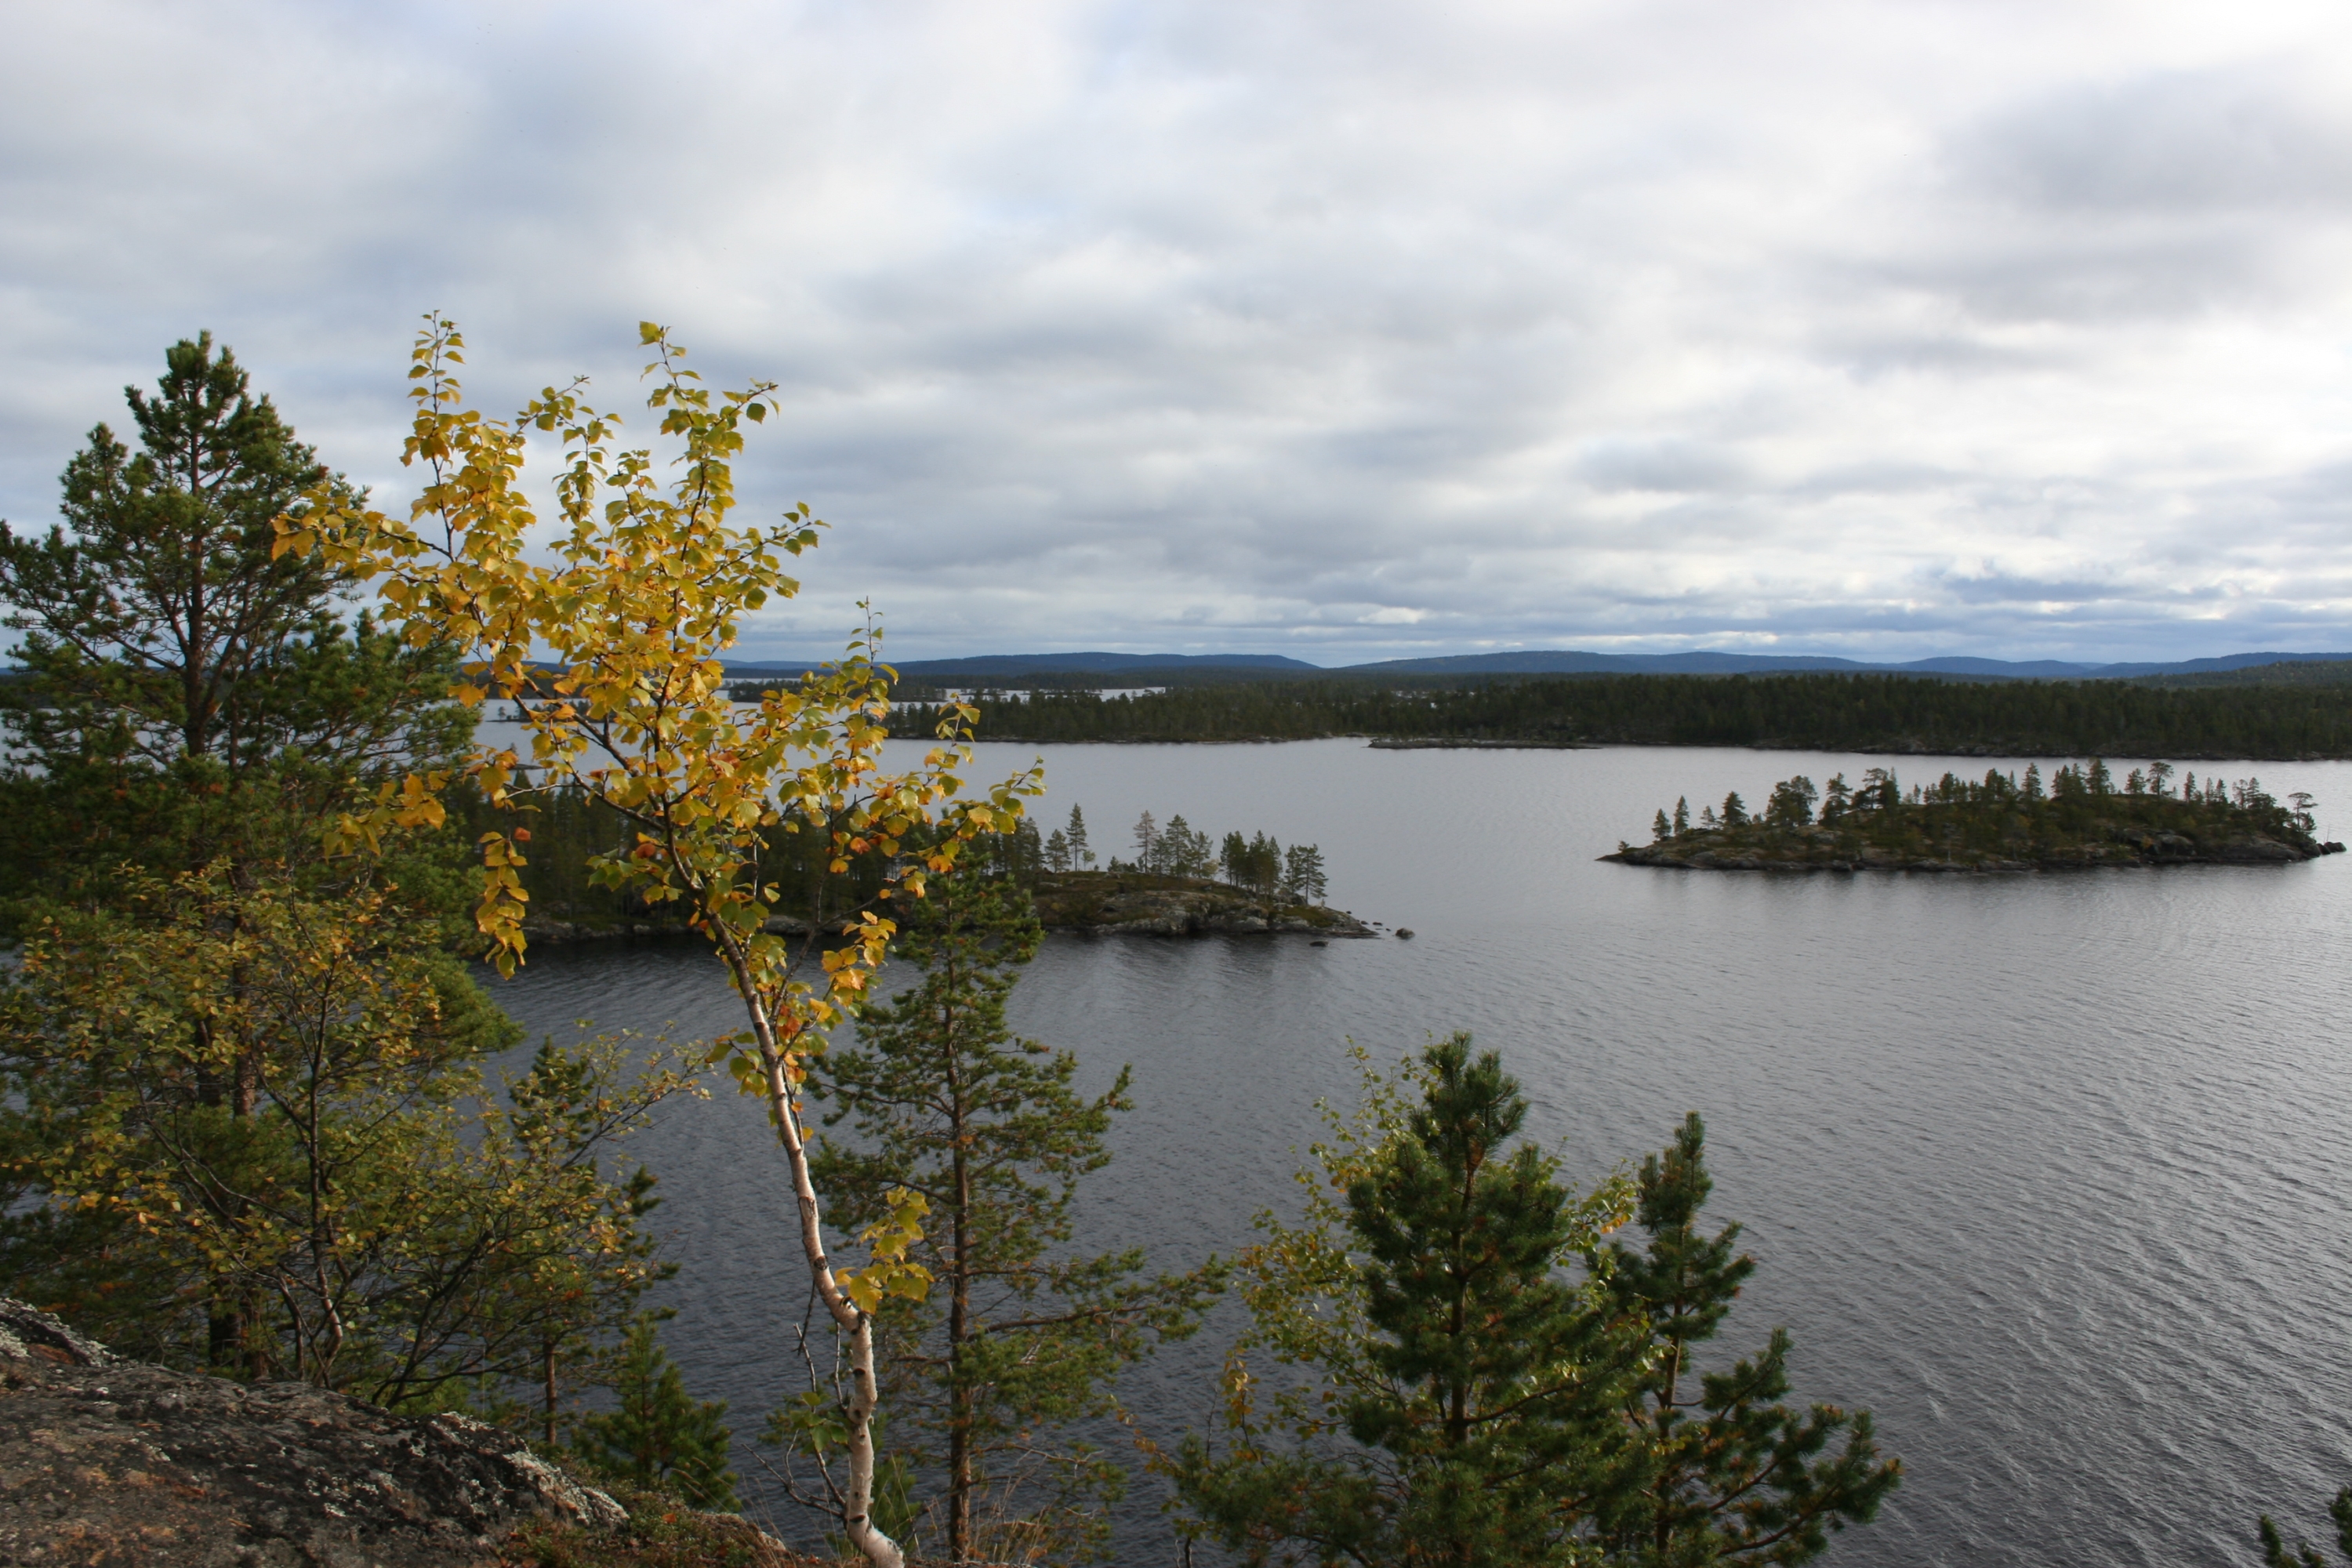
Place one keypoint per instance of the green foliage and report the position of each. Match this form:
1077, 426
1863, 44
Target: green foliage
1820, 712
1790, 805
1303, 878
1255, 863
569, 835
1728, 1472
659, 1436
243, 1116
2334, 672
2083, 815
1446, 1391
1466, 1372
1012, 1340
245, 1128
187, 696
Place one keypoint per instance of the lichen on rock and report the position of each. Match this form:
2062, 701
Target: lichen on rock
106, 1461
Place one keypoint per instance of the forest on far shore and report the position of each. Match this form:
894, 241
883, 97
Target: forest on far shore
1886, 713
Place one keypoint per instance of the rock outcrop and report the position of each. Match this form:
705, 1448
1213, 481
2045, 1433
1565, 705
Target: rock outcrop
107, 1463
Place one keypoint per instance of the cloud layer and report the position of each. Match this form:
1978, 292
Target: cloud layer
1341, 331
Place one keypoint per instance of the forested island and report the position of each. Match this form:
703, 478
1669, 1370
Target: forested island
1179, 881
2305, 712
2083, 818
1144, 903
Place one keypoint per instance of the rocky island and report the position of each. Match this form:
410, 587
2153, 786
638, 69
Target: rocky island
1121, 902
2083, 818
1145, 903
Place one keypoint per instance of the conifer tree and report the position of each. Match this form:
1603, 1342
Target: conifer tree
1477, 1383
1016, 1339
660, 1437
1183, 852
1303, 876
1081, 854
183, 688
1682, 814
1232, 859
1732, 1473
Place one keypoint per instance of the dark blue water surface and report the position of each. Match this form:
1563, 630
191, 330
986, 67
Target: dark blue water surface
2046, 1170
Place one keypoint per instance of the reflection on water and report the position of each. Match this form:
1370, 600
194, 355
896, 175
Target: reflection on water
2043, 1169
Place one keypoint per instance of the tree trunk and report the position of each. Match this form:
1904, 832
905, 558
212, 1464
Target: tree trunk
959, 1478
857, 1410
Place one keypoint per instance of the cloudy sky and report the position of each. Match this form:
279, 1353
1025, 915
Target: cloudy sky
1345, 330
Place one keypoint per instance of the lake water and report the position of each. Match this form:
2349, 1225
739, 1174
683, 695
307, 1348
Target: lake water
2045, 1171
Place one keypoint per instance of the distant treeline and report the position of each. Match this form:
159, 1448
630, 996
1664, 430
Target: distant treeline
2318, 672
1826, 712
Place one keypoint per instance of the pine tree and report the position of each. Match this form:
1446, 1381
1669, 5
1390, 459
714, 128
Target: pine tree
1478, 1384
1057, 851
1303, 878
1660, 829
188, 693
1018, 1338
1232, 859
1081, 855
194, 705
1182, 851
1147, 843
1682, 814
1733, 1473
661, 1438
1791, 803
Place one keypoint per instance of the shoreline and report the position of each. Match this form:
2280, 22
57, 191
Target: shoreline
1110, 903
1817, 849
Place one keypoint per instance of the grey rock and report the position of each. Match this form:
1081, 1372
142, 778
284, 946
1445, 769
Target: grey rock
110, 1462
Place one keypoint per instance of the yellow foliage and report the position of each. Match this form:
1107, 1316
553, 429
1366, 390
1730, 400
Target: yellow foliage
891, 1238
609, 643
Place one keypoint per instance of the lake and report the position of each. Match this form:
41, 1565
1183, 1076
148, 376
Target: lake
2044, 1170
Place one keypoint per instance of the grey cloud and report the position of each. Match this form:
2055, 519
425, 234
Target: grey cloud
1658, 463
1270, 327
2171, 142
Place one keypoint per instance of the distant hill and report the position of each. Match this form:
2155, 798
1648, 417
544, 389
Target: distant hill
1567, 662
998, 666
1152, 669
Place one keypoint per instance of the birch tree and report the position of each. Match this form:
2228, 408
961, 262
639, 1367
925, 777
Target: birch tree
608, 645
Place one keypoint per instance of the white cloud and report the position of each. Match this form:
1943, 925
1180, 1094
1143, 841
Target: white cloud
1345, 330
